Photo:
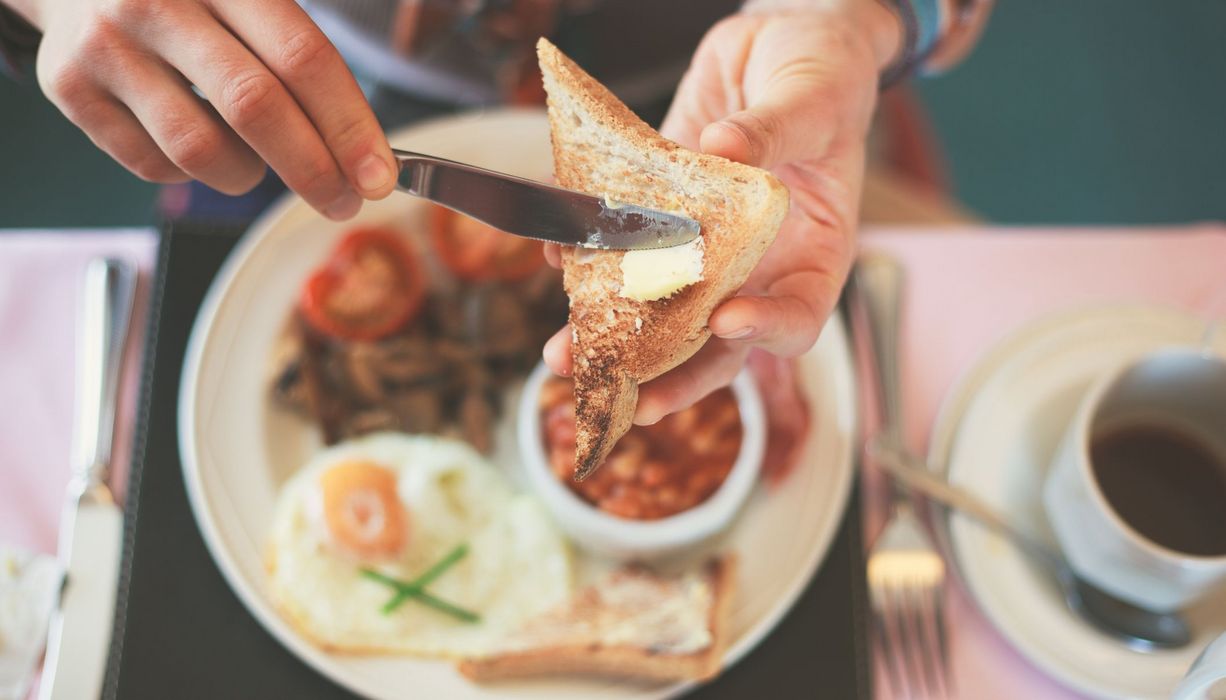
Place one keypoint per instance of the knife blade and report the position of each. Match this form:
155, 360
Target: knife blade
543, 212
91, 528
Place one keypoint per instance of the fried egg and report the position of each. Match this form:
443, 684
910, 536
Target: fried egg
397, 505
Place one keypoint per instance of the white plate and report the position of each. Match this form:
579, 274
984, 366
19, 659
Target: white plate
238, 449
996, 434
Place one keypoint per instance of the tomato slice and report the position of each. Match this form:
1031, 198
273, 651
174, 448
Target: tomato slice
476, 252
370, 287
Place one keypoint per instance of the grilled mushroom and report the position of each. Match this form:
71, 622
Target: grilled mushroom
477, 419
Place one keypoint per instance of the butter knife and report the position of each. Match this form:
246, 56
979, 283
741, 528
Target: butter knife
91, 528
534, 210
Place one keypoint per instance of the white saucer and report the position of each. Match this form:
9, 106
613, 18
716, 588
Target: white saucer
996, 434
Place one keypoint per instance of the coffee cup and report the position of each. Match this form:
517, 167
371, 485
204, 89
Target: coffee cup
1136, 494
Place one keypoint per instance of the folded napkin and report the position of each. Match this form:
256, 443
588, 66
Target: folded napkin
40, 284
41, 273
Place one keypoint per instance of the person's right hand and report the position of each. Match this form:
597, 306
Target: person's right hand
276, 90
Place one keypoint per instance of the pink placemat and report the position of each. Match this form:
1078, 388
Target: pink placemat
965, 292
40, 288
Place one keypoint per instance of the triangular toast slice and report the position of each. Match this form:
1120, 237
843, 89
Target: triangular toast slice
622, 336
632, 624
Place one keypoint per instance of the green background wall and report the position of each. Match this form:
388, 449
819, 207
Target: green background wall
1070, 111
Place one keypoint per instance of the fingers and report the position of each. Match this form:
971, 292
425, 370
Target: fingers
277, 92
285, 39
69, 79
259, 109
553, 255
707, 90
186, 129
557, 352
799, 84
781, 325
685, 118
785, 126
784, 325
714, 366
113, 128
787, 322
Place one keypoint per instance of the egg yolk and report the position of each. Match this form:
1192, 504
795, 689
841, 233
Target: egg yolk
361, 510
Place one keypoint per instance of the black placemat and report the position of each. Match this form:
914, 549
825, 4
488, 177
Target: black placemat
181, 632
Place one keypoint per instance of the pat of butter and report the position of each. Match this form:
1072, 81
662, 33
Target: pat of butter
648, 275
610, 203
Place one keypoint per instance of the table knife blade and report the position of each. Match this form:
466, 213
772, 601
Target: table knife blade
531, 209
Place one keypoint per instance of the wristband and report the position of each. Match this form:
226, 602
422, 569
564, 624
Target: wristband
921, 23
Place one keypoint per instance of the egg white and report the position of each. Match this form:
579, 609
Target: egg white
517, 566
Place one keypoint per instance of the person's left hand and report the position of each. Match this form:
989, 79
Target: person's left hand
792, 92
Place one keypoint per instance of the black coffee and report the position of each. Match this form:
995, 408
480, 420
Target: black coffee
1166, 484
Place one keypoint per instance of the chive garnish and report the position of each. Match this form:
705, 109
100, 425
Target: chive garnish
415, 589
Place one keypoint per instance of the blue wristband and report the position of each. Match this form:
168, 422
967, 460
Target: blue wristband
921, 20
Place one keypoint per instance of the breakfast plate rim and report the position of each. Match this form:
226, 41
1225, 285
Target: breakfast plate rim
845, 420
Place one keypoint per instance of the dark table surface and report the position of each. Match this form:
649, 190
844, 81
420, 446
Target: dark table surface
182, 633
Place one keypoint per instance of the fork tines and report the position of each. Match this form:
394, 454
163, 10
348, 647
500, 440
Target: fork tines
906, 581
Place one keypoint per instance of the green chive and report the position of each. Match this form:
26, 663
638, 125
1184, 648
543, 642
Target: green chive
444, 606
441, 567
415, 589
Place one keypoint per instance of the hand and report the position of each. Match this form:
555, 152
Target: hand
792, 92
276, 90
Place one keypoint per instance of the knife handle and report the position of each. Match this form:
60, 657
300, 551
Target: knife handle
877, 291
879, 282
105, 314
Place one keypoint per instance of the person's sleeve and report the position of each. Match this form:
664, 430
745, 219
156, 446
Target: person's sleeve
18, 42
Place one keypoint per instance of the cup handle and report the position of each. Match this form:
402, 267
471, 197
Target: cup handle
1208, 669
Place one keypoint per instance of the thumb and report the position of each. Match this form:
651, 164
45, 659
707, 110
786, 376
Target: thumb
789, 122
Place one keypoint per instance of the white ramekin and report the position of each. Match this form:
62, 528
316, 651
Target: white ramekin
608, 535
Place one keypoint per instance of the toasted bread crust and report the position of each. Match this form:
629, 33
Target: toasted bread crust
601, 147
638, 663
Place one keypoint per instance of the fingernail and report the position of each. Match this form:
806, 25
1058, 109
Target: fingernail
372, 173
345, 207
739, 333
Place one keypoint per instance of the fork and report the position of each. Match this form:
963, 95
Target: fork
906, 575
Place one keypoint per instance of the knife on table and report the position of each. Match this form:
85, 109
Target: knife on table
534, 210
91, 528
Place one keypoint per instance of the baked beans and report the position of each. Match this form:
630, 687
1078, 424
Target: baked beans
654, 471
